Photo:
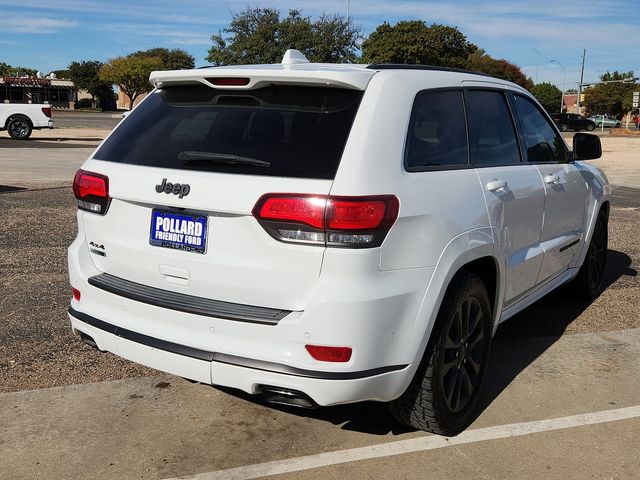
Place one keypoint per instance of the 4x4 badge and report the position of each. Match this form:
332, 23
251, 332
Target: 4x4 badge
181, 189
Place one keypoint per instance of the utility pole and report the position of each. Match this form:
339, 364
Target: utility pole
348, 9
584, 53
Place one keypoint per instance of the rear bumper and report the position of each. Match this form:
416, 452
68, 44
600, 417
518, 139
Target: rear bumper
49, 125
373, 312
247, 374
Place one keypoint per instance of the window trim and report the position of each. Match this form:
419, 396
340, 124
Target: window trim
509, 96
519, 141
567, 153
435, 168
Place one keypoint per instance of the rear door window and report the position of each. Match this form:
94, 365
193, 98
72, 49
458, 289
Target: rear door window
492, 136
284, 131
543, 144
437, 137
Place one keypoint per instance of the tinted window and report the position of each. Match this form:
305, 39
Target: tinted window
540, 139
436, 136
290, 131
492, 136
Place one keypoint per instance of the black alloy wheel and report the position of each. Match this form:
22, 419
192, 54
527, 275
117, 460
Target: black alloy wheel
591, 127
19, 128
463, 354
589, 282
597, 255
444, 393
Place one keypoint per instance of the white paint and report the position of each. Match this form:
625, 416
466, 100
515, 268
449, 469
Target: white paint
412, 445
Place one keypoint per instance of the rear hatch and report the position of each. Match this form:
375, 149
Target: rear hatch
185, 170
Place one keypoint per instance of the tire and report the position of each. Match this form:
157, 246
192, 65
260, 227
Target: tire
591, 128
563, 127
19, 128
617, 125
589, 282
443, 396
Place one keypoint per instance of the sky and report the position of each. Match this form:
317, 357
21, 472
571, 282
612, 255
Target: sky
49, 34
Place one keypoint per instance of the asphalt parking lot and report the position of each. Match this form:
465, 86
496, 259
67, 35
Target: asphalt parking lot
562, 399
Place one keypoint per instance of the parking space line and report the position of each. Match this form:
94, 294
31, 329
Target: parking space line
412, 445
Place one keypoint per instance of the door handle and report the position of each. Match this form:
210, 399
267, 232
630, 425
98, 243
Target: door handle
496, 184
552, 178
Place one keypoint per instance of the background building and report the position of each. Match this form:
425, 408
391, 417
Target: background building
58, 93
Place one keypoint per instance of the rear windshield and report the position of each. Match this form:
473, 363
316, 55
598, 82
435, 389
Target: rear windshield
284, 131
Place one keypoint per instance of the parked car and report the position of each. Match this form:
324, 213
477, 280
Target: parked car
326, 234
20, 119
572, 121
605, 120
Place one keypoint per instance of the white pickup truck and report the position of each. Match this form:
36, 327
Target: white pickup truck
20, 119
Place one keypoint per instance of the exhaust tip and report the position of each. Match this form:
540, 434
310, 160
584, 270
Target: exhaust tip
286, 397
89, 340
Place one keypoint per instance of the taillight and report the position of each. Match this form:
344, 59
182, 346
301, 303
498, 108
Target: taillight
355, 222
91, 191
329, 354
47, 111
76, 294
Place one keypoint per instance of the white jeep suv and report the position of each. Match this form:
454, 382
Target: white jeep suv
324, 234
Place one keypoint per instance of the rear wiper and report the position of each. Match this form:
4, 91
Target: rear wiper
190, 156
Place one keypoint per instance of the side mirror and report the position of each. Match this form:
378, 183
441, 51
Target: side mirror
586, 147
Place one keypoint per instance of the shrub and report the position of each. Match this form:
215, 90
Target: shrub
84, 103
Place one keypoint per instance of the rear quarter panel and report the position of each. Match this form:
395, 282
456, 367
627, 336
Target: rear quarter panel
443, 221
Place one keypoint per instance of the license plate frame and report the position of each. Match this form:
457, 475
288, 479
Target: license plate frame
176, 233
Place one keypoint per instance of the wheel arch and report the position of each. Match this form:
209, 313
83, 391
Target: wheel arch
478, 259
604, 206
17, 115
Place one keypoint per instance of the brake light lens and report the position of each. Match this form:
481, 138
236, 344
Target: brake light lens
47, 111
307, 210
355, 215
355, 222
329, 354
76, 294
229, 81
91, 191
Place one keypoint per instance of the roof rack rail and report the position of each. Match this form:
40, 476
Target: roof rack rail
402, 66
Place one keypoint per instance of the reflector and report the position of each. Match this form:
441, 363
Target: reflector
329, 354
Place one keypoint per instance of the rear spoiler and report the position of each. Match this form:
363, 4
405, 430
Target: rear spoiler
294, 70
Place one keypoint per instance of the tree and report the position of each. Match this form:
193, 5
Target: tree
175, 59
335, 39
85, 76
9, 71
613, 98
259, 35
616, 76
548, 95
62, 74
5, 68
479, 61
131, 74
413, 42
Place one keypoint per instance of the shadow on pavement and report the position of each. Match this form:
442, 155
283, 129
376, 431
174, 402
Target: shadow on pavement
10, 188
538, 327
50, 143
535, 329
